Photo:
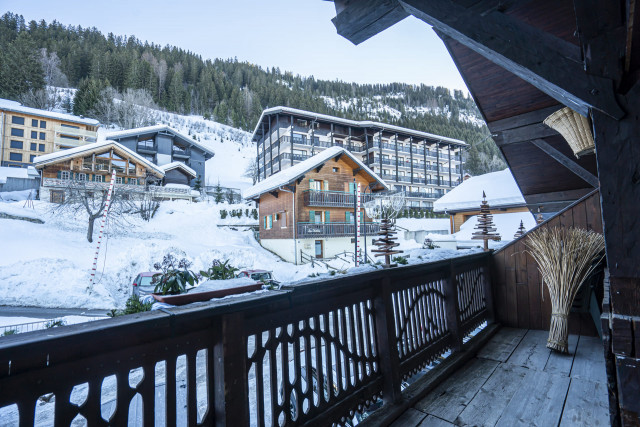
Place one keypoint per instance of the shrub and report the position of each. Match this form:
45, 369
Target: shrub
10, 332
53, 323
223, 213
132, 306
174, 277
220, 270
400, 260
254, 213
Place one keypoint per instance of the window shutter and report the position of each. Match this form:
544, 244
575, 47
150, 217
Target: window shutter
59, 175
361, 216
351, 187
312, 216
326, 185
347, 216
311, 184
264, 222
326, 216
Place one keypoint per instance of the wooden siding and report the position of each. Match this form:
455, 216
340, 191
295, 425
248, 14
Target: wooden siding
517, 285
176, 176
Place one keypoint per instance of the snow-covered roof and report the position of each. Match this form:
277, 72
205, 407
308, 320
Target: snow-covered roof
14, 106
155, 129
180, 165
506, 224
25, 173
355, 123
286, 176
500, 187
76, 151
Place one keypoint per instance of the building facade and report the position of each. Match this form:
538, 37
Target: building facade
26, 133
162, 146
91, 166
423, 165
308, 211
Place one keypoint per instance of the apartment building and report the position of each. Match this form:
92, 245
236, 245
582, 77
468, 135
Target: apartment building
29, 132
423, 165
308, 211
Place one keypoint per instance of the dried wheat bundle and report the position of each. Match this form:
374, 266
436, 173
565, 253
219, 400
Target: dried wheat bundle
566, 258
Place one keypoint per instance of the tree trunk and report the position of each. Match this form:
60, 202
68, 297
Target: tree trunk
92, 220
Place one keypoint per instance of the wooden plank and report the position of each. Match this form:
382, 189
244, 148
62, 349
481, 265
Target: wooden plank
432, 421
532, 352
534, 285
522, 290
523, 134
567, 162
586, 404
561, 363
486, 408
450, 398
500, 347
538, 401
510, 285
411, 418
588, 363
580, 215
520, 120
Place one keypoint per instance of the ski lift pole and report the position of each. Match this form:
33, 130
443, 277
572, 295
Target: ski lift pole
100, 234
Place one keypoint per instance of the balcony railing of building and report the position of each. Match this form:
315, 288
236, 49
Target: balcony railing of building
333, 229
417, 151
83, 133
184, 153
316, 353
68, 141
148, 147
339, 199
156, 190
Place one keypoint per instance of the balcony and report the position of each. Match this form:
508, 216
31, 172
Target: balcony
156, 190
338, 199
147, 147
82, 133
181, 153
333, 229
68, 142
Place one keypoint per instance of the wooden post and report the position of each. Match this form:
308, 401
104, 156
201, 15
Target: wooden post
387, 345
452, 309
230, 372
487, 287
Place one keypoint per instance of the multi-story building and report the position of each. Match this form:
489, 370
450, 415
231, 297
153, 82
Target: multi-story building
308, 211
423, 165
29, 132
165, 146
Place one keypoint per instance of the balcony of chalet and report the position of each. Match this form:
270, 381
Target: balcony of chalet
453, 342
308, 230
336, 199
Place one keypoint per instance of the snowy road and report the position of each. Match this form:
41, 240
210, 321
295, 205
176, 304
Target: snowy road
48, 313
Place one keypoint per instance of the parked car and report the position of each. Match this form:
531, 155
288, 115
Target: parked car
264, 276
142, 284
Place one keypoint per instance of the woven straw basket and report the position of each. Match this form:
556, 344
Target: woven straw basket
574, 128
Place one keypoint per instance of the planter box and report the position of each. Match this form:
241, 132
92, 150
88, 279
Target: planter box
188, 298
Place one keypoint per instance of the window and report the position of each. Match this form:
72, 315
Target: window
42, 135
63, 125
133, 181
34, 134
31, 157
268, 222
43, 124
118, 180
283, 219
34, 123
56, 196
17, 157
336, 170
82, 177
17, 120
34, 146
64, 174
17, 132
41, 147
98, 178
16, 144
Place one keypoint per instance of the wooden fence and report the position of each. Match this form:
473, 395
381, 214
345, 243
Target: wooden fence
521, 299
316, 353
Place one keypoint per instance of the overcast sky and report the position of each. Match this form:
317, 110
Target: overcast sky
295, 35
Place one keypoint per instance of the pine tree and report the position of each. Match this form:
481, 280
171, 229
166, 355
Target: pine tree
486, 228
218, 194
386, 242
521, 231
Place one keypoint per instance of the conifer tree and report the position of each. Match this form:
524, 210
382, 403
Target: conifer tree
486, 228
521, 231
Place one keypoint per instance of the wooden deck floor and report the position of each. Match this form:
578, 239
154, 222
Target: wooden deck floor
515, 380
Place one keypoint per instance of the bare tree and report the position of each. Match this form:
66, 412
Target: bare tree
42, 99
135, 109
252, 171
53, 75
105, 108
159, 67
86, 197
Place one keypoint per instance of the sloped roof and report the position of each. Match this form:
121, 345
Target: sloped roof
155, 129
87, 148
179, 165
500, 187
294, 172
8, 105
356, 123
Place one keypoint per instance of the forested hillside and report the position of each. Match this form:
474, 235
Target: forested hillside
35, 55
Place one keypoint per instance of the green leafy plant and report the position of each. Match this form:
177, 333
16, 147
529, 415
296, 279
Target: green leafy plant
10, 332
220, 270
132, 306
223, 213
175, 276
53, 323
400, 260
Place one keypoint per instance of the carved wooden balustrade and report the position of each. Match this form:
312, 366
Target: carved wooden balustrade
316, 352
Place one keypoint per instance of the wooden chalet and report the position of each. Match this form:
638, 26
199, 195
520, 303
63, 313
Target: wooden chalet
324, 352
308, 210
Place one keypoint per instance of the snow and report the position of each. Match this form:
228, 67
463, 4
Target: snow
6, 104
286, 176
507, 225
68, 320
180, 165
424, 224
72, 152
154, 129
500, 187
16, 196
217, 285
18, 209
7, 172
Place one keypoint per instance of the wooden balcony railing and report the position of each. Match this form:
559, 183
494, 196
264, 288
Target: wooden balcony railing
334, 229
339, 199
316, 353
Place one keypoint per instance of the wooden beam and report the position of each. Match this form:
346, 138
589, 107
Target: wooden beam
530, 118
299, 180
485, 7
356, 170
556, 197
319, 168
274, 193
568, 163
337, 158
547, 62
359, 20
